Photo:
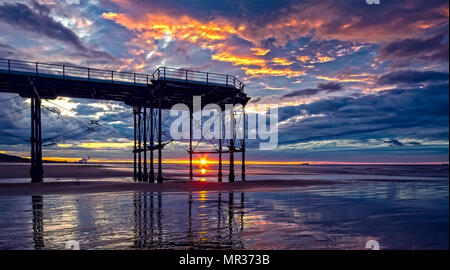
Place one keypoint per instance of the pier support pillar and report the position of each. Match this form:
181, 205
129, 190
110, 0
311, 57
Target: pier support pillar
191, 174
145, 176
36, 170
231, 147
220, 161
152, 128
135, 146
160, 178
220, 150
243, 144
139, 145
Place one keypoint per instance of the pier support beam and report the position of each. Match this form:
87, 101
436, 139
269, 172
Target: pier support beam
145, 179
152, 128
160, 178
191, 174
220, 149
243, 144
139, 145
220, 161
135, 146
36, 170
231, 147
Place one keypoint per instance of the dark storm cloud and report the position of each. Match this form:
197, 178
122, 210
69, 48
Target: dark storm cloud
321, 88
262, 9
21, 15
412, 76
394, 142
416, 114
43, 9
432, 48
332, 86
302, 93
389, 19
397, 143
39, 21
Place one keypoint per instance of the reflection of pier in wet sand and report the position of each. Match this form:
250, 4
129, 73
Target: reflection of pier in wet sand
38, 222
227, 219
154, 230
200, 231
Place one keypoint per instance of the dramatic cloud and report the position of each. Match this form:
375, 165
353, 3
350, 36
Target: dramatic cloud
412, 76
420, 114
331, 86
321, 88
394, 142
434, 48
38, 20
21, 15
347, 76
6, 51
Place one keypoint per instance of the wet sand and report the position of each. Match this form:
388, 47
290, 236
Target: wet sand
99, 178
73, 187
278, 207
78, 171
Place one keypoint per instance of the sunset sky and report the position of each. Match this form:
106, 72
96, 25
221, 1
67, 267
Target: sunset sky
354, 82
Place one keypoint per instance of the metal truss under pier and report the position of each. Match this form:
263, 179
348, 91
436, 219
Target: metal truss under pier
148, 94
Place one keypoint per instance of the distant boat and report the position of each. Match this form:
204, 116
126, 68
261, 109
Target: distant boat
84, 160
305, 164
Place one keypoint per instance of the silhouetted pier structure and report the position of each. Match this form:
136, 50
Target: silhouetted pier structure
148, 94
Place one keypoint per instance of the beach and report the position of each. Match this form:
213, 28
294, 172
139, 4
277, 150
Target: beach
278, 207
61, 170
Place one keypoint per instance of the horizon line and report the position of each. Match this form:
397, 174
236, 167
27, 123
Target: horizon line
198, 161
248, 162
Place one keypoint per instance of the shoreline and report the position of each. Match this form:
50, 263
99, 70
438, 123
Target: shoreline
84, 187
78, 171
98, 178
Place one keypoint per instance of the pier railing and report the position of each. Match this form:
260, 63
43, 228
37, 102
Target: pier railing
72, 72
166, 73
116, 77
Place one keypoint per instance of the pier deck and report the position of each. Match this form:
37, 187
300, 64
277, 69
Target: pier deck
146, 93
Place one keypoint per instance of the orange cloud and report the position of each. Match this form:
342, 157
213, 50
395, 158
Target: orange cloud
282, 61
259, 51
238, 60
272, 72
208, 35
363, 77
322, 59
64, 145
156, 26
105, 145
304, 58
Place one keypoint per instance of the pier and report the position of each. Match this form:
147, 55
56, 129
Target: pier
147, 94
